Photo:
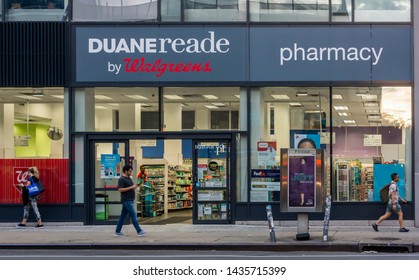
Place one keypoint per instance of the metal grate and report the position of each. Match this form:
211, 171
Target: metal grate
33, 54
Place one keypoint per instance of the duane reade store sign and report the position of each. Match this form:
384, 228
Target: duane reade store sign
221, 54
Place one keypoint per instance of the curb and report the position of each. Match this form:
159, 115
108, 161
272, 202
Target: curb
325, 247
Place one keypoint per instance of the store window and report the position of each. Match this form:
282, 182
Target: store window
116, 109
115, 10
365, 138
33, 134
36, 10
283, 118
382, 11
372, 128
289, 10
213, 108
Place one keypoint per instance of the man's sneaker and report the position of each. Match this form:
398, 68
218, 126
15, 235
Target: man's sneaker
118, 234
375, 227
403, 229
142, 233
20, 225
39, 226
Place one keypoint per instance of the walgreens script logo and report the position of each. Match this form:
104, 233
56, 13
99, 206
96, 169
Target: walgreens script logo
20, 174
209, 45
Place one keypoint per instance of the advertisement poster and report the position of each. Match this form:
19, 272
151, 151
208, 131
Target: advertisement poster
302, 181
266, 153
306, 141
110, 166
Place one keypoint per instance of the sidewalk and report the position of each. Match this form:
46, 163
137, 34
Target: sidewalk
207, 237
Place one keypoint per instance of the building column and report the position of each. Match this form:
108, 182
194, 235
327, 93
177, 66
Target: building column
130, 120
282, 125
173, 122
84, 109
415, 8
7, 147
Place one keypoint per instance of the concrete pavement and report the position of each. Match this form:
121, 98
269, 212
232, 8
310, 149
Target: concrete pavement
354, 238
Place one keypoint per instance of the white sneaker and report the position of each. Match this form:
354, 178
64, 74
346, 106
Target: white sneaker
142, 233
118, 234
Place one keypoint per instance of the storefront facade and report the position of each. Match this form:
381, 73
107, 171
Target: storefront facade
181, 96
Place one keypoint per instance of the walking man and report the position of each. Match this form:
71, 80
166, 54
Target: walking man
393, 204
127, 189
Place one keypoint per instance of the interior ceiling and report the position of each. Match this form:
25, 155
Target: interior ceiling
310, 98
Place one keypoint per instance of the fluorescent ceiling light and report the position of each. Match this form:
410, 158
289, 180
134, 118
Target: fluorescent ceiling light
337, 96
102, 97
341, 108
58, 96
349, 121
299, 94
100, 107
137, 97
113, 104
210, 96
372, 111
369, 97
211, 106
280, 96
219, 104
344, 114
376, 123
371, 104
237, 95
374, 117
28, 97
295, 104
173, 97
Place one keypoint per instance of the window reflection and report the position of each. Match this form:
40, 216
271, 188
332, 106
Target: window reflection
341, 10
115, 10
382, 10
36, 10
289, 10
215, 10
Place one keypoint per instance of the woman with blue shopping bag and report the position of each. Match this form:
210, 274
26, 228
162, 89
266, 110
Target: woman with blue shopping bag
30, 196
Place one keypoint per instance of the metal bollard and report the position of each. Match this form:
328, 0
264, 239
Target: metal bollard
327, 218
270, 223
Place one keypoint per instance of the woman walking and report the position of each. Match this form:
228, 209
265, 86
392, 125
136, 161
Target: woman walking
30, 201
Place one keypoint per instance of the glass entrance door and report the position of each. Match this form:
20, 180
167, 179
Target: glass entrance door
211, 181
108, 162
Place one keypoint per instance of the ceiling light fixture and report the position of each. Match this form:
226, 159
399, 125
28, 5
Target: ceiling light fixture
341, 108
102, 97
210, 96
137, 97
173, 97
280, 96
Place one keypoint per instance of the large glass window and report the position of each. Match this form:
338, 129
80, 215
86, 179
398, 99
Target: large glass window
365, 136
289, 10
116, 109
382, 10
115, 10
341, 10
33, 133
214, 108
215, 10
36, 10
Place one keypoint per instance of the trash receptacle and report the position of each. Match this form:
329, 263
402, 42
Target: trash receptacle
102, 207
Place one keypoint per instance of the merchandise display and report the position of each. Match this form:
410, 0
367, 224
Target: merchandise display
180, 187
150, 202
